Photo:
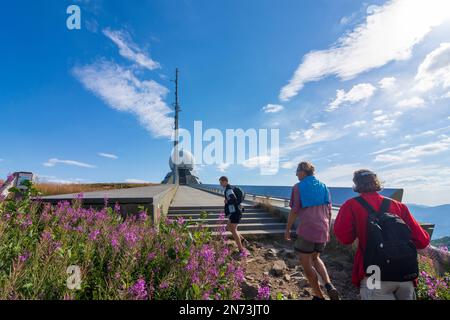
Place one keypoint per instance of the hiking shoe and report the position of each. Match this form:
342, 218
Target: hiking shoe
332, 292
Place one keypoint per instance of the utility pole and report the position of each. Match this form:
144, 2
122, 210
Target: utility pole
176, 137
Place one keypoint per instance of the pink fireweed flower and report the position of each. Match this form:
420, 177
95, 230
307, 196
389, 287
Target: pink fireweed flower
164, 285
208, 253
46, 236
24, 257
68, 297
206, 296
93, 235
236, 295
115, 244
239, 274
180, 220
142, 216
26, 222
244, 254
130, 237
263, 293
151, 256
139, 290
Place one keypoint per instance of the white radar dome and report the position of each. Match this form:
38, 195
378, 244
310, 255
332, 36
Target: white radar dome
185, 160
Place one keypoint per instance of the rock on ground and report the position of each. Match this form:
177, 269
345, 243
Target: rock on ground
277, 263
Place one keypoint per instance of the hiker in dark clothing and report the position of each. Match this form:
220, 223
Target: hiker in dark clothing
233, 211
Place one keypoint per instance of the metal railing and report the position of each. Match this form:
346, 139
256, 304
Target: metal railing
280, 202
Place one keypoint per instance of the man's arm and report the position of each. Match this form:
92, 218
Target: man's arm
295, 205
291, 220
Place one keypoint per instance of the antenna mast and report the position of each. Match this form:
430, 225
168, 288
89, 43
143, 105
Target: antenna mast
176, 137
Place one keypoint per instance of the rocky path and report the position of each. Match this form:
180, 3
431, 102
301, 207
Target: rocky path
276, 263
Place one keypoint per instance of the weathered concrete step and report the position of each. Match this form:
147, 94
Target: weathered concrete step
247, 226
217, 215
190, 210
198, 207
255, 232
266, 219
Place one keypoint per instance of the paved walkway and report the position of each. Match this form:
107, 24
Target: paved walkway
190, 197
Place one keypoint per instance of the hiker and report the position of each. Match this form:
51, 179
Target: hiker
233, 210
388, 239
311, 204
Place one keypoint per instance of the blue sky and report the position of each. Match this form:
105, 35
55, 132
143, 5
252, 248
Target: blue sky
349, 84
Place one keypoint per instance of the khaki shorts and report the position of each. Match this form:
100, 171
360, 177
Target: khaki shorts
304, 246
389, 290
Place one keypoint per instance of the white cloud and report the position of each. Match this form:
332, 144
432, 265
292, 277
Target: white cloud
435, 69
416, 178
378, 112
306, 134
136, 181
288, 165
388, 158
383, 122
387, 83
401, 146
389, 34
108, 155
318, 125
272, 108
414, 102
52, 179
130, 50
338, 175
255, 162
54, 161
123, 91
268, 165
355, 124
294, 135
359, 92
223, 167
416, 152
315, 134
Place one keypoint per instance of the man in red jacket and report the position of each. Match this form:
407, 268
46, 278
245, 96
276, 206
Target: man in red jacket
351, 224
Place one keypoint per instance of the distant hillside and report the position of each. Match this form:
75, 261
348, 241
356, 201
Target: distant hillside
443, 242
439, 215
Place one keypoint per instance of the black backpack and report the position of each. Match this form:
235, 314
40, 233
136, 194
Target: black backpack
389, 244
240, 195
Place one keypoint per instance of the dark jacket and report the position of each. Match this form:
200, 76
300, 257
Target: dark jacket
232, 205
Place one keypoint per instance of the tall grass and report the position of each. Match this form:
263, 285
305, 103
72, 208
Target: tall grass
54, 188
118, 258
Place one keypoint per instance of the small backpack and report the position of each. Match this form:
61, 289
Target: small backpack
239, 193
389, 244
